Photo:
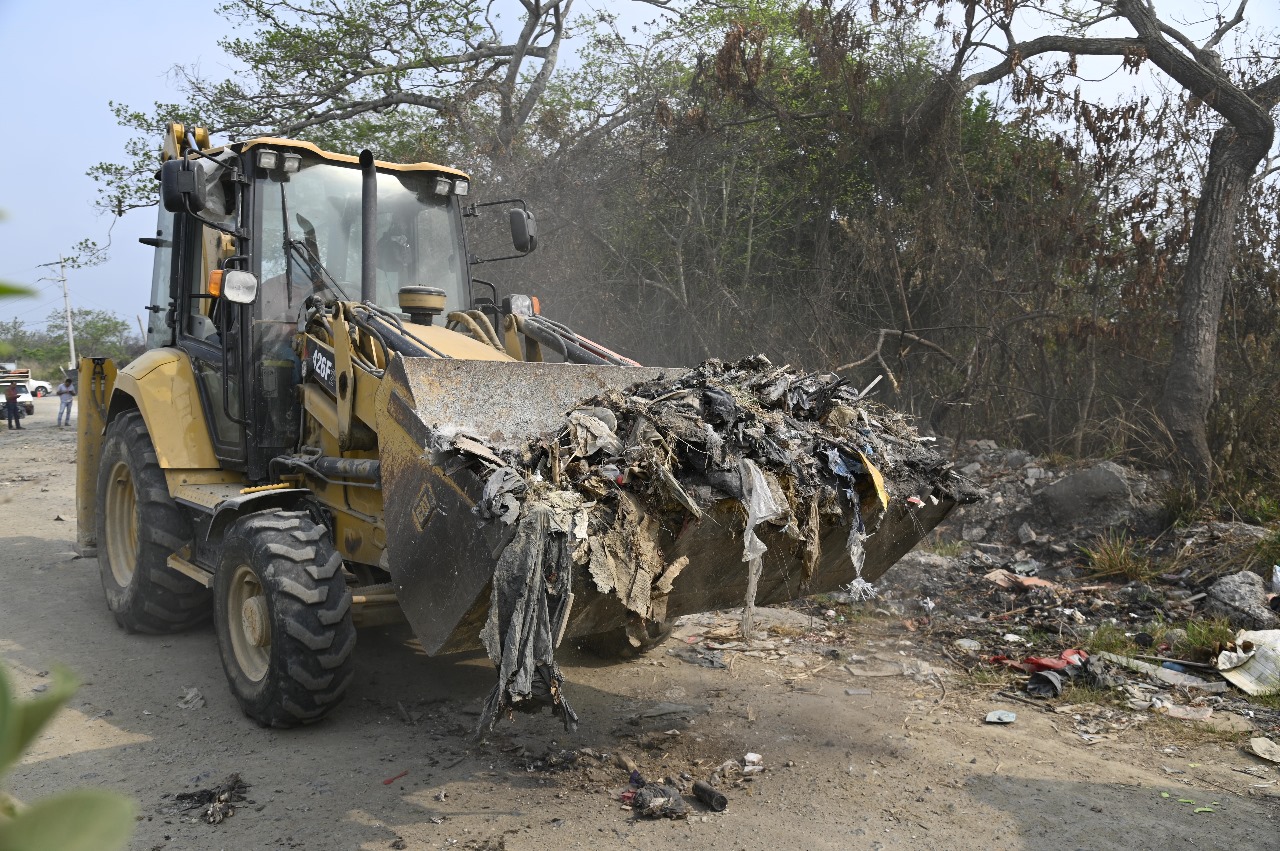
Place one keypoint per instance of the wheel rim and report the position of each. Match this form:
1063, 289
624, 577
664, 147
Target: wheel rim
122, 524
249, 623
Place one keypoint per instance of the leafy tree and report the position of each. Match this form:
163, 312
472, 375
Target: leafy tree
45, 352
98, 333
413, 79
1243, 93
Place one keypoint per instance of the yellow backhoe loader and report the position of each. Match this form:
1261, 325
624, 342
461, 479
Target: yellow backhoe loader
302, 447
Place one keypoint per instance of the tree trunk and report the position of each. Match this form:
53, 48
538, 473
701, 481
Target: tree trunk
1189, 383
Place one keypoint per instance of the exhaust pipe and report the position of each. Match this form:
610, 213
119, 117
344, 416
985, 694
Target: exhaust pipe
368, 228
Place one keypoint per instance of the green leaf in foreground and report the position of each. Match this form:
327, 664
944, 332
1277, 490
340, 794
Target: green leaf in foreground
84, 820
20, 721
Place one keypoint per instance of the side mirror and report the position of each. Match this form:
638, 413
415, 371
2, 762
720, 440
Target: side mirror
524, 230
239, 287
182, 187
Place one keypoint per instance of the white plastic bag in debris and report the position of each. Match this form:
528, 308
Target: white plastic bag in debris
758, 499
761, 506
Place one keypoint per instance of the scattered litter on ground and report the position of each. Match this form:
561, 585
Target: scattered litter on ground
1001, 716
1188, 713
191, 699
1253, 666
219, 802
1171, 677
710, 796
1265, 748
1045, 684
660, 801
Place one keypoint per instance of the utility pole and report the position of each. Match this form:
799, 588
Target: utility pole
66, 305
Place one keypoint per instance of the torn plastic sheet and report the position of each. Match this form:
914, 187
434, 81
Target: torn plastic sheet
528, 610
1255, 668
592, 430
501, 496
761, 506
859, 588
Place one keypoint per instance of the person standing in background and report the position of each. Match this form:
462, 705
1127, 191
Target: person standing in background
11, 406
66, 392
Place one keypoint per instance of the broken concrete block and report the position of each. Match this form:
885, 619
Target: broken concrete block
1026, 535
974, 533
1016, 458
1097, 496
971, 469
1242, 599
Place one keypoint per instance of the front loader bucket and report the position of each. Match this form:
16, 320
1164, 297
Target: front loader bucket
442, 554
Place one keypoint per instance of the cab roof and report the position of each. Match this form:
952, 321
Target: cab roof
295, 144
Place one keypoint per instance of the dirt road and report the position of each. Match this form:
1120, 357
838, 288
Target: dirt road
910, 765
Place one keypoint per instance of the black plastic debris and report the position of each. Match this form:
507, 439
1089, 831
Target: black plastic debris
659, 801
219, 802
1045, 684
709, 795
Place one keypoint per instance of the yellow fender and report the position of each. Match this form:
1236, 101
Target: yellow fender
94, 383
162, 384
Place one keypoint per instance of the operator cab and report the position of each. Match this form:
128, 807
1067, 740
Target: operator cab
249, 232
311, 235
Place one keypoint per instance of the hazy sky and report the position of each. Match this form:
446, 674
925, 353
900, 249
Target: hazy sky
61, 63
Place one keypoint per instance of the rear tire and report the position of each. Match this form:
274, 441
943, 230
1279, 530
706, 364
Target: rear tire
138, 527
282, 611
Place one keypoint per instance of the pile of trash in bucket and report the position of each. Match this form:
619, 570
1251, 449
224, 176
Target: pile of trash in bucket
629, 470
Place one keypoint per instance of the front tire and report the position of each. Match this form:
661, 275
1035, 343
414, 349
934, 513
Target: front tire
138, 527
282, 611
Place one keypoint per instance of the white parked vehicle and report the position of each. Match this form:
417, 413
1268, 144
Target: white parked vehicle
25, 400
12, 374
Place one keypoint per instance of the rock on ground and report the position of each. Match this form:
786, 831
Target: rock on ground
1242, 599
1099, 495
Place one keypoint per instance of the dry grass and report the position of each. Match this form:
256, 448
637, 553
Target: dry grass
947, 549
1115, 555
1161, 731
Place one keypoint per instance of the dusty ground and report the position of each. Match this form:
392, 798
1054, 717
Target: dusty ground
910, 765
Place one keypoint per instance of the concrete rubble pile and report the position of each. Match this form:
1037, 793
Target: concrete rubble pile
629, 470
